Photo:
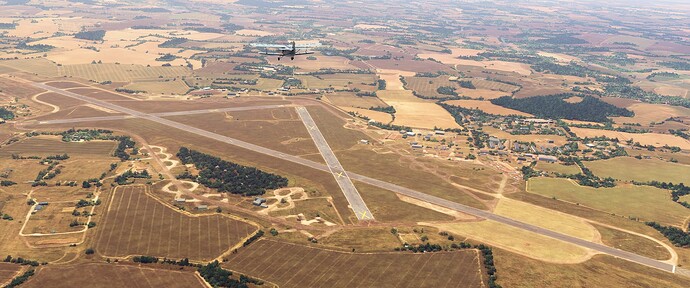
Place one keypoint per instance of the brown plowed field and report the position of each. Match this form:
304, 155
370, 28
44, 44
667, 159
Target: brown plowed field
111, 275
136, 224
291, 265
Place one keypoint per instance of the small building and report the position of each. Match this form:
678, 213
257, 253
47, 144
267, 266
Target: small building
43, 203
263, 205
403, 131
180, 200
547, 158
202, 207
410, 134
258, 201
364, 141
417, 146
440, 132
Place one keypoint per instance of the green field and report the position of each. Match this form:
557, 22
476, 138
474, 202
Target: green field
629, 168
647, 203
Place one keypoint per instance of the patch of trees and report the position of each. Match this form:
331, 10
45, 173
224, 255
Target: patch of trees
35, 47
7, 217
151, 9
529, 172
676, 235
678, 65
85, 203
677, 190
20, 261
145, 259
230, 27
8, 25
124, 143
381, 84
552, 106
390, 126
130, 91
58, 157
586, 177
95, 35
563, 39
20, 279
6, 183
387, 109
219, 277
124, 177
680, 133
171, 43
625, 90
446, 90
253, 238
230, 177
204, 29
6, 114
467, 84
166, 58
488, 255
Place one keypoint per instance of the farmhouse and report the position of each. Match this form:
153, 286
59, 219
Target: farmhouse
547, 158
258, 201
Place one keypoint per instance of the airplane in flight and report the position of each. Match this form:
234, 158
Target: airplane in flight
291, 50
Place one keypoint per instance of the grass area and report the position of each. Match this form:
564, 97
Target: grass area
557, 168
632, 243
519, 271
120, 72
647, 203
640, 169
160, 87
517, 240
545, 218
387, 207
311, 208
363, 240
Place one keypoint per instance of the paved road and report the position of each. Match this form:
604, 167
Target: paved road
378, 183
162, 114
353, 197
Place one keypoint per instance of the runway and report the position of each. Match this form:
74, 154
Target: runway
378, 183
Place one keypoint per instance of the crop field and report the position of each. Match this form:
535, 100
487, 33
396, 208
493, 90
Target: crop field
159, 87
52, 145
427, 86
8, 271
40, 66
136, 224
640, 169
339, 81
120, 72
352, 100
493, 85
415, 112
647, 203
112, 275
654, 139
646, 113
487, 107
302, 266
60, 193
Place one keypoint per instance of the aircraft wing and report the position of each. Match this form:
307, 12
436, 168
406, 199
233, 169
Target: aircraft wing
308, 45
303, 53
262, 45
271, 53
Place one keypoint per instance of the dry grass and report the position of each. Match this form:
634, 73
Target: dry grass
643, 170
520, 271
632, 243
373, 115
363, 240
302, 266
646, 113
112, 275
136, 224
546, 218
647, 203
517, 240
40, 66
654, 139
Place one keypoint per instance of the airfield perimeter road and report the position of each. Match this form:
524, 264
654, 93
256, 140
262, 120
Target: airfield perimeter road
353, 197
378, 183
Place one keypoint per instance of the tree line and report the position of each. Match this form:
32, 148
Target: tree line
553, 106
95, 35
676, 235
227, 176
